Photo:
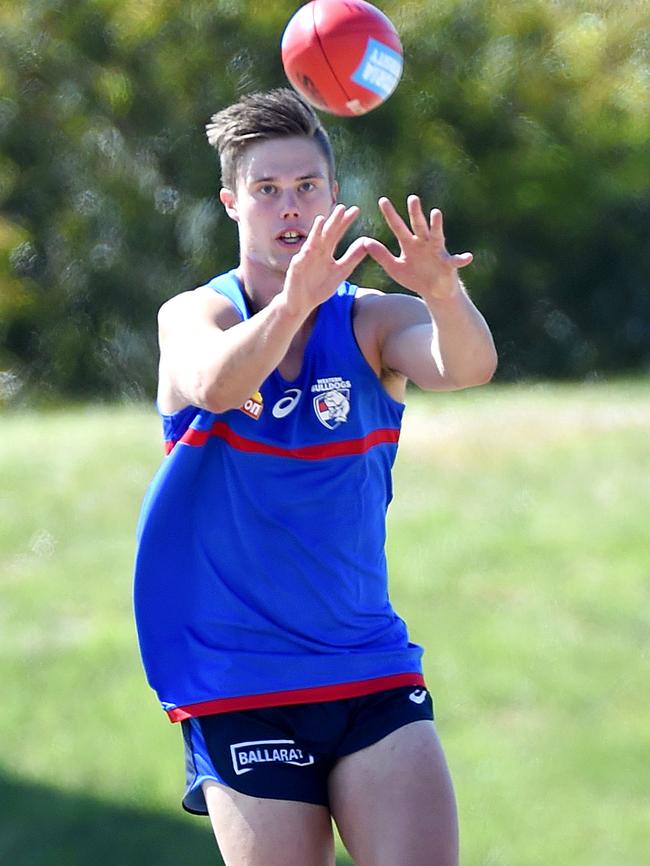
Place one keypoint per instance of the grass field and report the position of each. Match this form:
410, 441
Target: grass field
520, 556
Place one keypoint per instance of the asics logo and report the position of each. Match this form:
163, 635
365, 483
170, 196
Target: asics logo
287, 404
418, 696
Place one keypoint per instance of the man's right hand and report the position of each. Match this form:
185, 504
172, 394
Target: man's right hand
314, 274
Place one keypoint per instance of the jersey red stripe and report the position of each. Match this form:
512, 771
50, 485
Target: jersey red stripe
345, 448
297, 696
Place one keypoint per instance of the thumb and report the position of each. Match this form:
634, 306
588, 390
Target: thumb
381, 254
462, 260
352, 257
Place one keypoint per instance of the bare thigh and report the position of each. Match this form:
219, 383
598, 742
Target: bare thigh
258, 832
393, 802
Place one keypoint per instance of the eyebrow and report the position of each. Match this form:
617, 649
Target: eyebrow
313, 174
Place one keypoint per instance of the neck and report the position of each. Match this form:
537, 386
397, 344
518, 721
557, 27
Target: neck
261, 284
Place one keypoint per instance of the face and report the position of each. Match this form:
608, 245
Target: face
282, 186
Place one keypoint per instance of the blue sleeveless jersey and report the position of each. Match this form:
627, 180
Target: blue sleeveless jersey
260, 573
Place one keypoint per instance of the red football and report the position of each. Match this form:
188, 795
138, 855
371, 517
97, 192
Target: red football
343, 56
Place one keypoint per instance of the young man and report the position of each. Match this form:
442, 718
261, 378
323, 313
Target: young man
261, 596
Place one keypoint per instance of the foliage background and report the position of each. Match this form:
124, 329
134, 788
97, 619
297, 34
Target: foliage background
526, 120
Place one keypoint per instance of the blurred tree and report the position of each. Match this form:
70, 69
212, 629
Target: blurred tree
526, 120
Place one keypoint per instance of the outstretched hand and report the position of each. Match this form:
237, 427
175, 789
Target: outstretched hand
314, 274
424, 266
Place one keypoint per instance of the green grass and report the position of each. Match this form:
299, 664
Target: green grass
519, 556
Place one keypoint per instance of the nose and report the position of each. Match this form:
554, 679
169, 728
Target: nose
290, 209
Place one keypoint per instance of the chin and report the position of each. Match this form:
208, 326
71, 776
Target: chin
273, 264
281, 260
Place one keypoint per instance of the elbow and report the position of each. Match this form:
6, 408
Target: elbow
493, 365
218, 399
213, 404
479, 373
212, 396
218, 395
483, 372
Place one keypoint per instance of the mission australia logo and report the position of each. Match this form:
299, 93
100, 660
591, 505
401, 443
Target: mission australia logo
247, 756
332, 401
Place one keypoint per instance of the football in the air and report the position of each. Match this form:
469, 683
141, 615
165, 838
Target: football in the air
344, 56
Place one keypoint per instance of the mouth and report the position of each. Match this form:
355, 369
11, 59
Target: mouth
291, 238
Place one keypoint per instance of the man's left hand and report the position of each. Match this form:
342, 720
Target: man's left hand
424, 266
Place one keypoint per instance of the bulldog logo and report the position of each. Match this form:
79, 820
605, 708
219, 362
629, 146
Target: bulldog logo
332, 408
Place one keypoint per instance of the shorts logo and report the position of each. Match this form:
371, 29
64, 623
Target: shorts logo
418, 696
332, 401
247, 756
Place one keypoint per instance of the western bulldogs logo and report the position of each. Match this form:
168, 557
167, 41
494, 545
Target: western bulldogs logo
332, 408
332, 401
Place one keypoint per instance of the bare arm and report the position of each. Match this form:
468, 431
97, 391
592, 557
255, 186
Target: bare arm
440, 341
208, 358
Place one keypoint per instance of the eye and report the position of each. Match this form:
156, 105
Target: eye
307, 186
267, 189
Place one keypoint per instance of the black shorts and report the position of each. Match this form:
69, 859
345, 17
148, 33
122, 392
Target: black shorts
287, 753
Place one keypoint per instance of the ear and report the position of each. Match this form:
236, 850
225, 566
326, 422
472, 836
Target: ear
335, 191
229, 201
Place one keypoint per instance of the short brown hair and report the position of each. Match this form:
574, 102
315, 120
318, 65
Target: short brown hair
278, 113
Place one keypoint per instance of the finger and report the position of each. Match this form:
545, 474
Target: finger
339, 222
462, 260
384, 258
324, 229
435, 219
395, 222
352, 257
349, 215
332, 218
316, 229
335, 214
436, 226
340, 212
418, 221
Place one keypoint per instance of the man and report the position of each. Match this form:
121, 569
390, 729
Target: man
261, 597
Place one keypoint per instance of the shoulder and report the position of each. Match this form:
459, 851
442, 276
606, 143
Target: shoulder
201, 305
188, 324
382, 312
378, 318
376, 315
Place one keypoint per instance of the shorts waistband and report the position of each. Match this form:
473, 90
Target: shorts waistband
314, 694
